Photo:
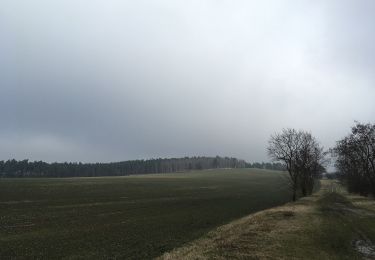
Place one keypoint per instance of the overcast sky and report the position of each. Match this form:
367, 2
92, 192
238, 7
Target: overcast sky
87, 80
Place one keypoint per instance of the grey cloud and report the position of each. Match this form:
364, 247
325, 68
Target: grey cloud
116, 80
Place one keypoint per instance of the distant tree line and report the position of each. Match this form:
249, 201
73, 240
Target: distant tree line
269, 166
25, 168
355, 159
302, 156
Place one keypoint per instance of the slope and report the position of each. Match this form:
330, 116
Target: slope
331, 224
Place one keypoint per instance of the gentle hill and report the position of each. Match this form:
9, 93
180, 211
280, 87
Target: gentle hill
328, 225
24, 168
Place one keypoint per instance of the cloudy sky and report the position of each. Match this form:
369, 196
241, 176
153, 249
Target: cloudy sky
90, 80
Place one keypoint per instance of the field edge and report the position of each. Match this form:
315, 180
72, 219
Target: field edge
330, 224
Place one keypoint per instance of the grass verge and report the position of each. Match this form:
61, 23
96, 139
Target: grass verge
331, 224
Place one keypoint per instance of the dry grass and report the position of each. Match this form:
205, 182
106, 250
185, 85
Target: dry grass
301, 230
256, 236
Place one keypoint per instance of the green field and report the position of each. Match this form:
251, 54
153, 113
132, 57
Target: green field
127, 217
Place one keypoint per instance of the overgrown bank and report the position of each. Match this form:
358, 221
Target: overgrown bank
330, 224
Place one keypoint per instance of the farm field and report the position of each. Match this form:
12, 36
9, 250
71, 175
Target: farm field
128, 217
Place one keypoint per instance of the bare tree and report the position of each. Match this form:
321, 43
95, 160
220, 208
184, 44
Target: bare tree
310, 164
284, 147
302, 156
355, 159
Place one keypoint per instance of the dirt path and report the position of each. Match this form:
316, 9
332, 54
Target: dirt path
331, 224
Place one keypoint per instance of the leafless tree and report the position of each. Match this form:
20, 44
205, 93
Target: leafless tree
283, 147
355, 159
302, 156
310, 163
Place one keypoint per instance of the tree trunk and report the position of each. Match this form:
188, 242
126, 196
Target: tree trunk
294, 191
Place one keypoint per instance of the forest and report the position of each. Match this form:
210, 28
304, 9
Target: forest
26, 168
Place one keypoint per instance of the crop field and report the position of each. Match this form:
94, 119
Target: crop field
127, 217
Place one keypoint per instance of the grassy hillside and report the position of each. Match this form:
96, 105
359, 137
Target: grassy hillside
127, 217
328, 225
